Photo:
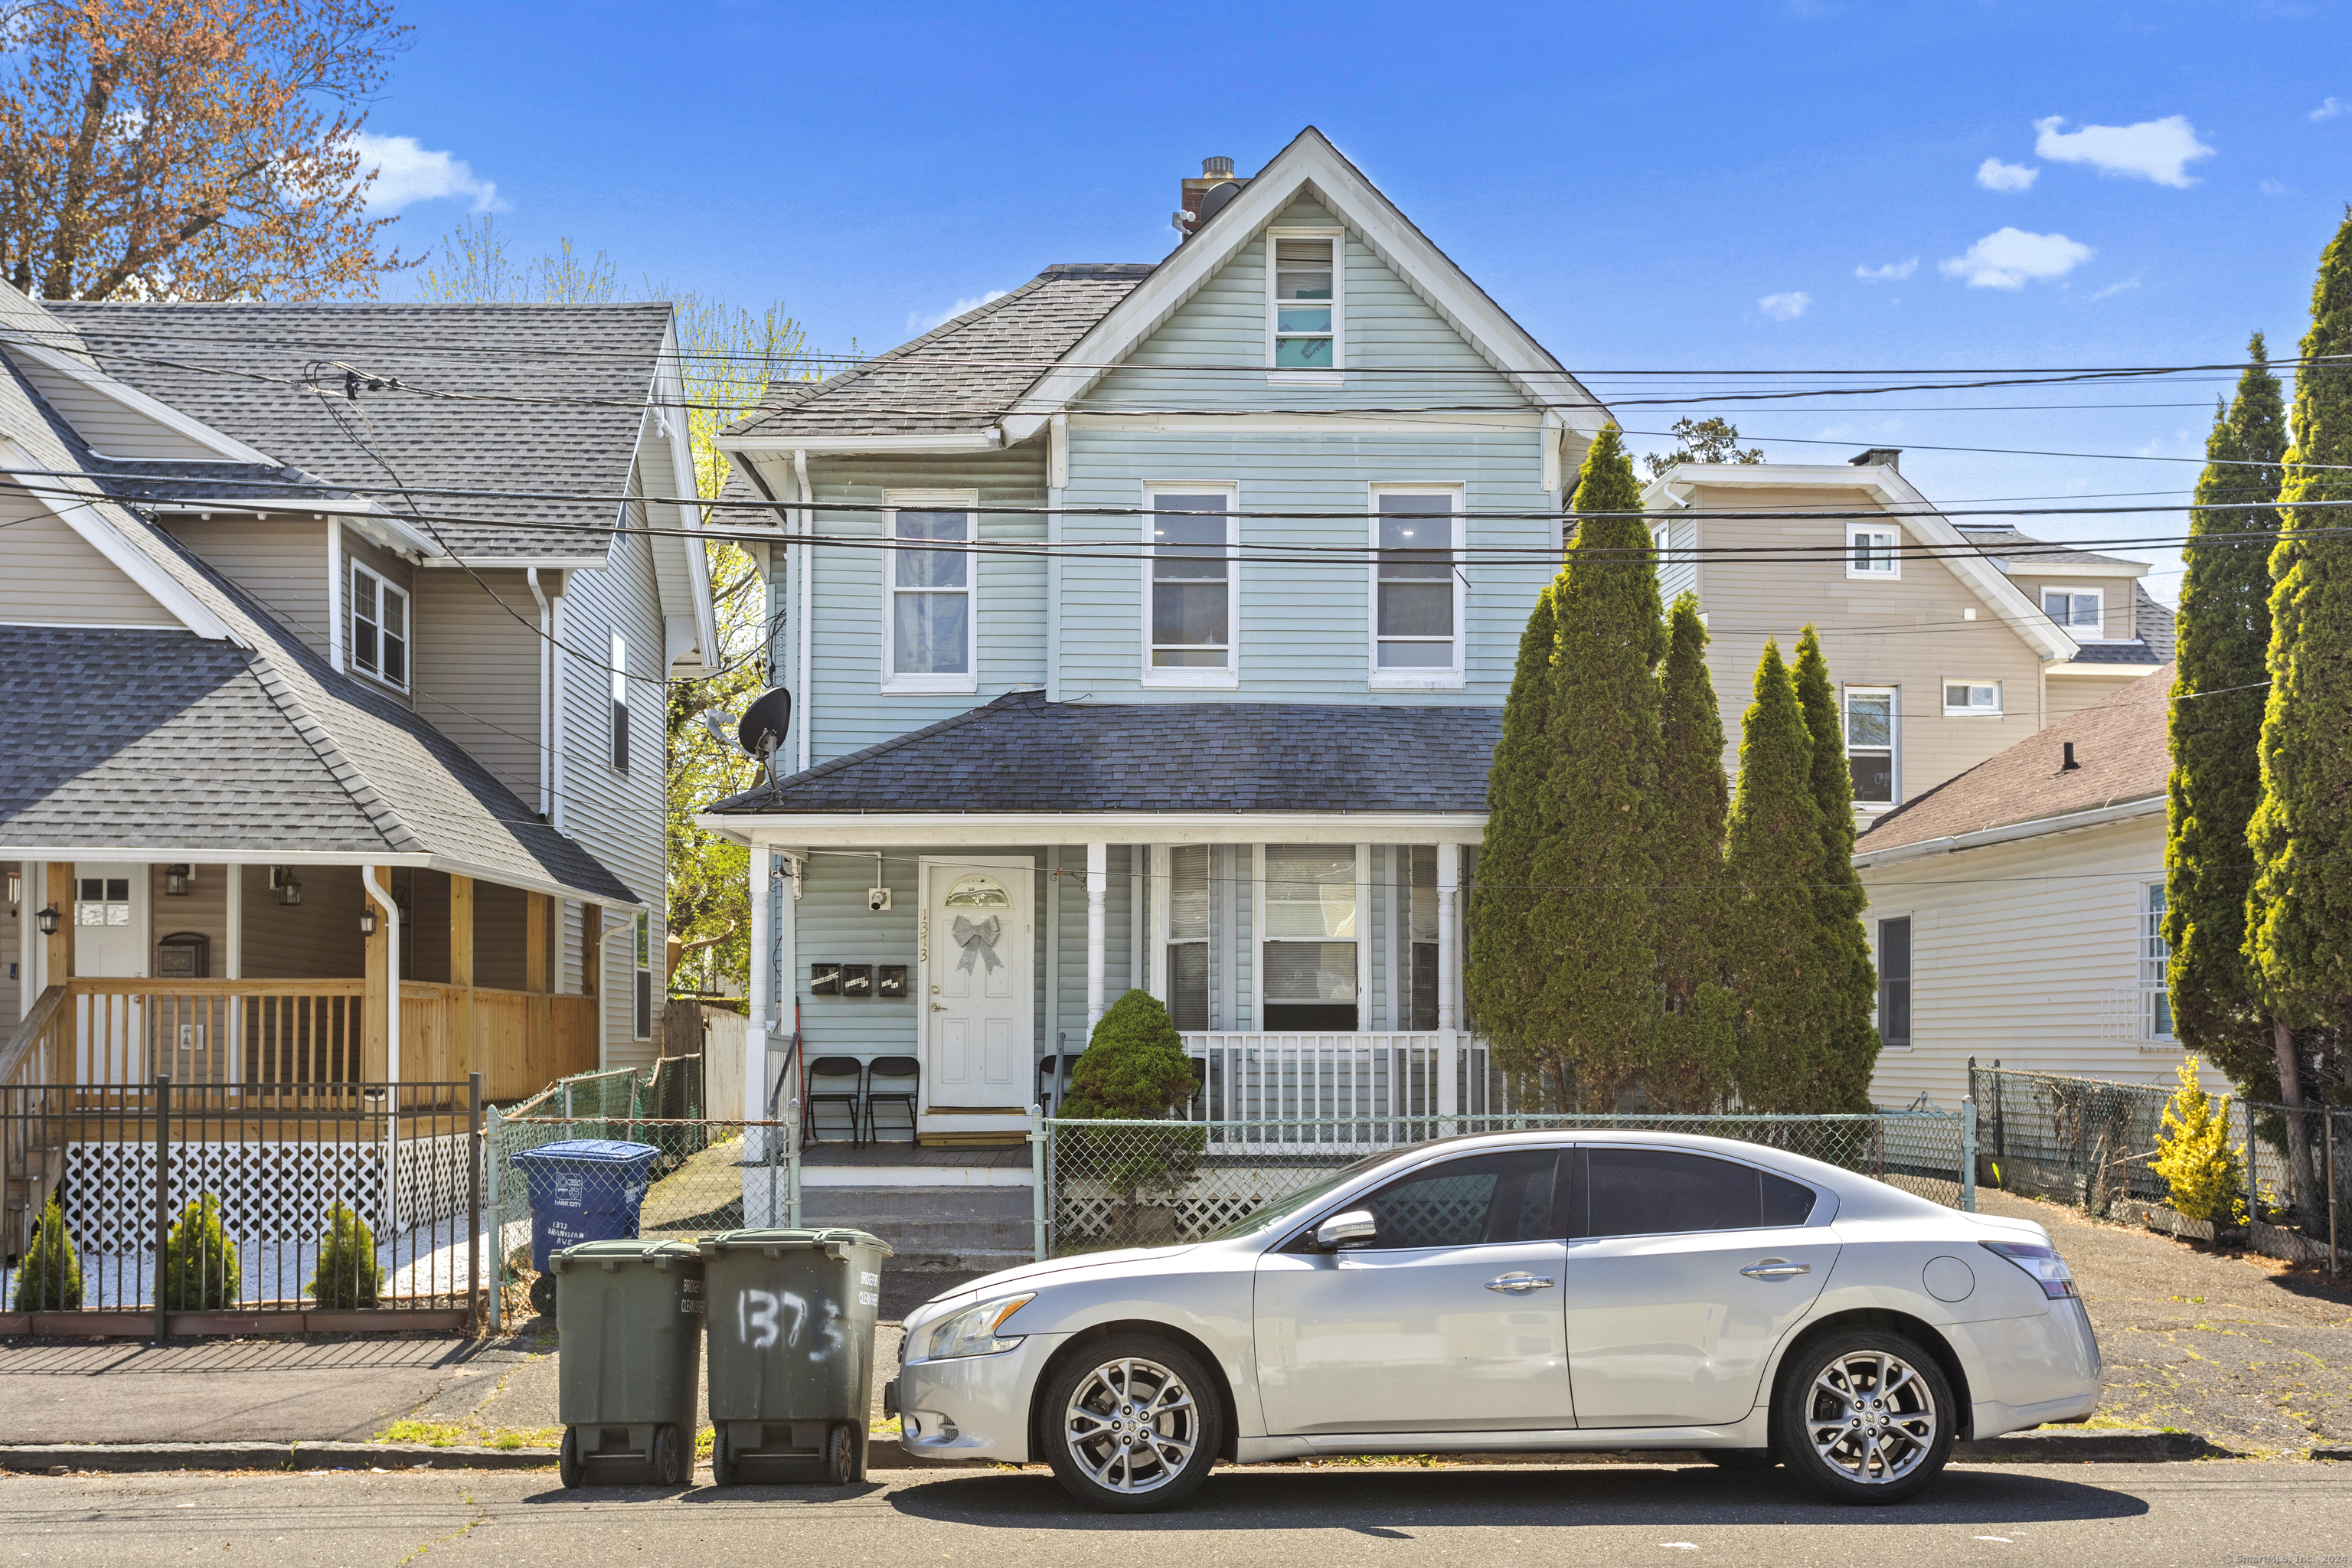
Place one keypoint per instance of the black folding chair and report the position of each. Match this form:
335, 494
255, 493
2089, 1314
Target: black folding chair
834, 1080
891, 1081
1054, 1080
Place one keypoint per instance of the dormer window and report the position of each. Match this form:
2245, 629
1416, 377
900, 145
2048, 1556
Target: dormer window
379, 628
2083, 614
1303, 303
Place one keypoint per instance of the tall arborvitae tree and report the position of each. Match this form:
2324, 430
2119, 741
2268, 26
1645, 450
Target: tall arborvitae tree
1772, 949
1690, 1065
1503, 979
1839, 899
2299, 912
1593, 921
2224, 632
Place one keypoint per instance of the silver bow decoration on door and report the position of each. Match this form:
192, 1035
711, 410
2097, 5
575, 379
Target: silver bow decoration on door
979, 941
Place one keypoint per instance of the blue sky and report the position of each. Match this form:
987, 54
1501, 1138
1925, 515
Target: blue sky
1644, 188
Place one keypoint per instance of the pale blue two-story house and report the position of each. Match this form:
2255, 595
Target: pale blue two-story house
1149, 625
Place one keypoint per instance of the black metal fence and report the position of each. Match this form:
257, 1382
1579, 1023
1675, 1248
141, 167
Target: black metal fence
163, 1207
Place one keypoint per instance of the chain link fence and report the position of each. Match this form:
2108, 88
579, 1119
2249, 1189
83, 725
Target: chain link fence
1146, 1183
670, 1089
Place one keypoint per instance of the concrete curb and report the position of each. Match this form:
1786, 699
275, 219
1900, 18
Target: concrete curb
2076, 1447
42, 1458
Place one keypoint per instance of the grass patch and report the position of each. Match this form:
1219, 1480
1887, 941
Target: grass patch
889, 1429
434, 1434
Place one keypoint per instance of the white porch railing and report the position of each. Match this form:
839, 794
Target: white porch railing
1279, 1077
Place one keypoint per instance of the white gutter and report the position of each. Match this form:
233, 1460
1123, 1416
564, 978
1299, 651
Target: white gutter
808, 526
546, 696
2097, 816
987, 440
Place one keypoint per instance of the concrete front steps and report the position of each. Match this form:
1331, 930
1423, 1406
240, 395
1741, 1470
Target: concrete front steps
949, 1229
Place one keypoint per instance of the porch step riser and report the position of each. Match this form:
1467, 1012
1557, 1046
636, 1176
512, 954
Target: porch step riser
933, 1227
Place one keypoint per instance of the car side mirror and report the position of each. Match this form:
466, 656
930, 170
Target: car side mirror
1355, 1227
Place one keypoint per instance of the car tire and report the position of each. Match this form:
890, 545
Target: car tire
1864, 1416
1740, 1458
1131, 1424
567, 1458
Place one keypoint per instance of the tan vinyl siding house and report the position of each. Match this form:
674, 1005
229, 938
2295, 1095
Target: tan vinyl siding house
56, 577
477, 665
282, 562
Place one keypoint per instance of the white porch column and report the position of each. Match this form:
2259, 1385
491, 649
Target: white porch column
1449, 879
1364, 938
1155, 926
233, 922
1097, 885
762, 1004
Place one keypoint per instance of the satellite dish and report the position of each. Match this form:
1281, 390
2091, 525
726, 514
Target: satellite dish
1215, 200
764, 723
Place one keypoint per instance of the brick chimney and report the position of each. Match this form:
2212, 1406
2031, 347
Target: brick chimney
1880, 456
1205, 197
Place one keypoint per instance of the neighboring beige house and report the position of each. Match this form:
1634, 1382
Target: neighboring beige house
1948, 643
2015, 911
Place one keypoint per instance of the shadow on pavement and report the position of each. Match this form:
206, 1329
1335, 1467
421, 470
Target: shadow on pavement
1380, 1499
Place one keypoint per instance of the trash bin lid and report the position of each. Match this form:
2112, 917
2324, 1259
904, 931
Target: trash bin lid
630, 1251
746, 1240
588, 1151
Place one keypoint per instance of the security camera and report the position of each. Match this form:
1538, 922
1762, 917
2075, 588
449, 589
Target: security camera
878, 898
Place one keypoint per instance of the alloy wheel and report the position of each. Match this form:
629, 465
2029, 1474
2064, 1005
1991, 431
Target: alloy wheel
1871, 1416
1132, 1426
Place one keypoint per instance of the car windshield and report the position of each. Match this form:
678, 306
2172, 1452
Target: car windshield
1273, 1213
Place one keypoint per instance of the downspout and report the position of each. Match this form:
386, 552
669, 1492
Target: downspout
546, 696
808, 563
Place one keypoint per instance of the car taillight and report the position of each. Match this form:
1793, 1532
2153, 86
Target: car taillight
2049, 1270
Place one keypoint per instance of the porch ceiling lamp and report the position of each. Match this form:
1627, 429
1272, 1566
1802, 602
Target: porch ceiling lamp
47, 921
290, 891
367, 921
178, 879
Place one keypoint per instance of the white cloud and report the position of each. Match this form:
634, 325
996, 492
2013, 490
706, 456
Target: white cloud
2331, 109
2271, 188
2008, 257
2152, 150
1892, 272
918, 322
406, 172
1785, 307
2111, 289
1995, 176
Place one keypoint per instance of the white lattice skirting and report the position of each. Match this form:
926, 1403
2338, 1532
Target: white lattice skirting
268, 1192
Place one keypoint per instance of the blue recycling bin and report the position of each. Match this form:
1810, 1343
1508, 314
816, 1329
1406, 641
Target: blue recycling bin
584, 1189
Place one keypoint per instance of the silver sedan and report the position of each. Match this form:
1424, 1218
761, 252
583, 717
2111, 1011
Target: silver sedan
1520, 1293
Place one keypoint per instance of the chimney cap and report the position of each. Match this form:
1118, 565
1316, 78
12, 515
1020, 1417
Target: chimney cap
1216, 168
1879, 457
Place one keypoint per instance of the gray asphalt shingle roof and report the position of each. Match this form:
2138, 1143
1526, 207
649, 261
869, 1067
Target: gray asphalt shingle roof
496, 397
1022, 753
963, 375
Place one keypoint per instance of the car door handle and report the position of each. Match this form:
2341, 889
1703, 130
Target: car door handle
1519, 1284
1776, 1269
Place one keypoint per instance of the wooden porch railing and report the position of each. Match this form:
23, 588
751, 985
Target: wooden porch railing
520, 1041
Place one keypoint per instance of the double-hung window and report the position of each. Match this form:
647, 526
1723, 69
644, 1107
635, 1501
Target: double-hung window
2155, 954
1870, 728
1870, 551
619, 671
2083, 614
1416, 587
1304, 323
1310, 951
1190, 585
379, 628
930, 620
1187, 936
1895, 981
1964, 698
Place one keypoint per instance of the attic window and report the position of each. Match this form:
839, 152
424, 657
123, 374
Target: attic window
1303, 310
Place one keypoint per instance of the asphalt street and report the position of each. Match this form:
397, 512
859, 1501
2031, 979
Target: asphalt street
2220, 1513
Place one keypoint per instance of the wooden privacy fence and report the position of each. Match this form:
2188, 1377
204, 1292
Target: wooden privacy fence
517, 1040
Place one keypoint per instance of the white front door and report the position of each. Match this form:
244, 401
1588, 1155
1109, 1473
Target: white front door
109, 937
978, 999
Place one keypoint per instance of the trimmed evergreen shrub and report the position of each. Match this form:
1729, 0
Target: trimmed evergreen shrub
2205, 1175
48, 1278
348, 1274
1134, 1067
200, 1268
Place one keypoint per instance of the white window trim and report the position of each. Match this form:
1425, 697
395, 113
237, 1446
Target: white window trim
1337, 235
1879, 916
2152, 969
407, 618
1893, 695
617, 727
1230, 677
1431, 680
1964, 711
1895, 558
892, 682
2079, 635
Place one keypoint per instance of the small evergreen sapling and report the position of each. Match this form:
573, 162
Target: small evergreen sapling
1134, 1069
200, 1269
348, 1274
2206, 1176
49, 1279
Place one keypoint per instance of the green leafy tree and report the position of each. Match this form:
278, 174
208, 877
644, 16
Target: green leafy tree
1690, 1065
2225, 639
1713, 440
2204, 1174
200, 1269
348, 1274
48, 1276
1838, 897
1774, 951
1594, 920
1503, 979
2299, 911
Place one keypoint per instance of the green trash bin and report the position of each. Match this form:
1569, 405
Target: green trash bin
629, 1321
792, 1352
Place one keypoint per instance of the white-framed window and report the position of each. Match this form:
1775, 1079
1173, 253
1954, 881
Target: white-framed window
1306, 323
1187, 936
1191, 585
644, 1020
1417, 594
380, 631
1893, 957
2082, 611
1964, 699
2155, 954
1870, 550
618, 672
1872, 713
930, 624
1309, 949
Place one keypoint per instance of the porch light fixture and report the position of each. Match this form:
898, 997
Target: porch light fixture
47, 921
367, 921
178, 879
290, 891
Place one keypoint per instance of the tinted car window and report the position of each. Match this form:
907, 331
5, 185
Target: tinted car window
1786, 1201
1478, 1199
1657, 1191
